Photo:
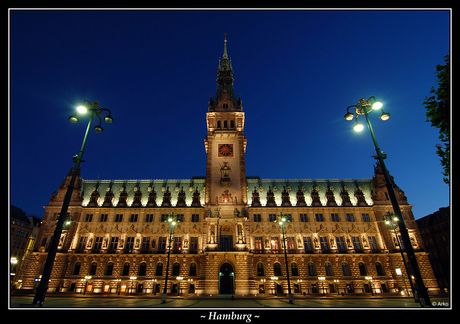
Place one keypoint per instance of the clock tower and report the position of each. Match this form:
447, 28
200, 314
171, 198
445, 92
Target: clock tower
225, 144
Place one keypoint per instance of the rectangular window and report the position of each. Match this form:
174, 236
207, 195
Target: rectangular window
271, 217
119, 218
258, 243
164, 217
162, 244
324, 243
335, 217
113, 243
103, 218
366, 217
257, 218
307, 243
97, 243
319, 217
290, 243
82, 243
195, 218
350, 218
372, 242
275, 244
180, 217
129, 243
145, 243
133, 218
193, 243
89, 217
303, 218
356, 242
177, 244
149, 218
288, 217
340, 243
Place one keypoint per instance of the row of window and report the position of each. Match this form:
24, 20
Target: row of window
149, 218
318, 217
20, 233
134, 218
312, 270
125, 271
323, 242
277, 269
132, 243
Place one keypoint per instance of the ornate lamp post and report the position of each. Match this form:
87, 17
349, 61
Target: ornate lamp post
93, 110
281, 220
363, 108
172, 221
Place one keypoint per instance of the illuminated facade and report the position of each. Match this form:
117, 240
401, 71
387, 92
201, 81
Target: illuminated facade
226, 241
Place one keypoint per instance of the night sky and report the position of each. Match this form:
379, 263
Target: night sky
297, 72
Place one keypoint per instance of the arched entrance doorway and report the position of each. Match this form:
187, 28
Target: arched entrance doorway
226, 276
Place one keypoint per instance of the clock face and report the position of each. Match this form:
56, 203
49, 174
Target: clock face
226, 150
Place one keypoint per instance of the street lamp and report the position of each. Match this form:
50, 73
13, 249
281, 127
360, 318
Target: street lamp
93, 110
281, 220
363, 108
172, 221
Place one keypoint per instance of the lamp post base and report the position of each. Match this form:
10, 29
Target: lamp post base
163, 298
291, 298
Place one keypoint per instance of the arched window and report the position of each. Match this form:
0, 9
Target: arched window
260, 269
109, 269
142, 269
125, 271
225, 124
294, 269
159, 270
176, 269
345, 269
232, 124
277, 269
76, 268
362, 269
218, 124
328, 269
192, 269
311, 269
92, 269
379, 269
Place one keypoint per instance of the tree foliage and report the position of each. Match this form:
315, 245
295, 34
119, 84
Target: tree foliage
438, 113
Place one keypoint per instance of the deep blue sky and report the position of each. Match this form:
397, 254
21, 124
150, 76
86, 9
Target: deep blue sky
297, 72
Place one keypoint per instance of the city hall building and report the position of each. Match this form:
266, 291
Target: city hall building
227, 239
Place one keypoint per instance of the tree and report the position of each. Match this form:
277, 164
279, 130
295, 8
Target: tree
438, 113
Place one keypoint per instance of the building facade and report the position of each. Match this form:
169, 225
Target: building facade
24, 230
227, 240
435, 230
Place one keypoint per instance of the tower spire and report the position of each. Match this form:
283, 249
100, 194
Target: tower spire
225, 46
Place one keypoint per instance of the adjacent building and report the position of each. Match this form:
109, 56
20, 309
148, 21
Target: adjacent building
435, 231
23, 232
116, 236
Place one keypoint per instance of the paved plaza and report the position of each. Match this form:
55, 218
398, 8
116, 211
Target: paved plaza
239, 302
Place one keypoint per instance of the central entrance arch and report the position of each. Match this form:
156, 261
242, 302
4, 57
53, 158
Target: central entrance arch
226, 275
